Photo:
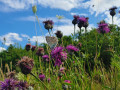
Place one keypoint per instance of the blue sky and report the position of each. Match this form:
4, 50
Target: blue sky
17, 21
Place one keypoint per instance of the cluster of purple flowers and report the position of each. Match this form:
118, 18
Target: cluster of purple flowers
11, 84
59, 55
81, 21
103, 27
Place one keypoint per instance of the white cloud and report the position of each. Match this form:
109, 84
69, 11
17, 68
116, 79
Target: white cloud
100, 6
40, 39
80, 14
10, 38
61, 4
25, 36
41, 19
25, 4
2, 49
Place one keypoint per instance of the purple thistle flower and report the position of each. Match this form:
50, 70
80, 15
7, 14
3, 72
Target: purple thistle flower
8, 84
75, 20
82, 21
22, 85
42, 77
33, 48
58, 55
58, 62
56, 51
28, 47
72, 48
45, 58
103, 28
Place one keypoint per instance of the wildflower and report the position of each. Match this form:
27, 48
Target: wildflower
56, 51
42, 77
75, 20
40, 51
8, 84
48, 80
28, 47
82, 21
59, 34
62, 69
45, 58
63, 56
48, 24
59, 55
86, 23
22, 85
103, 28
67, 81
72, 48
112, 11
33, 48
26, 65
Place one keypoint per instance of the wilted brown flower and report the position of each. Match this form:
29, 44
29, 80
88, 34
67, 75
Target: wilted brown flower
59, 34
28, 47
40, 51
26, 64
11, 74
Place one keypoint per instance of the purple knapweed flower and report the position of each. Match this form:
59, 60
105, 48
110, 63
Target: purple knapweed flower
26, 64
40, 51
28, 47
33, 48
103, 28
42, 77
75, 20
72, 48
45, 58
8, 84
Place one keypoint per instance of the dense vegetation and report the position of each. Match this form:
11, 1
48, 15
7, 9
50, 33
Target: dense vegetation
85, 61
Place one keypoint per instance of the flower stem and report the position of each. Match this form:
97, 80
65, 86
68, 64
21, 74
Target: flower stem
39, 80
